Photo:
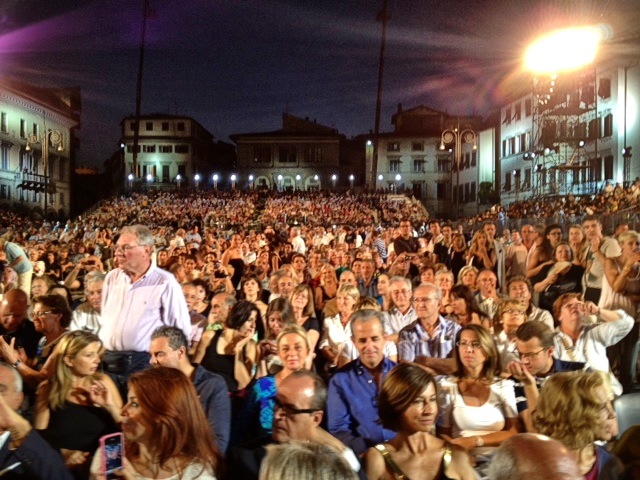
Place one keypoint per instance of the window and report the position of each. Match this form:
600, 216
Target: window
182, 148
262, 154
166, 148
313, 154
133, 126
507, 116
608, 167
608, 125
180, 126
444, 165
23, 128
148, 126
417, 146
35, 130
287, 154
4, 191
604, 88
130, 149
527, 107
507, 182
527, 179
3, 122
474, 158
518, 112
418, 165
149, 148
165, 126
595, 169
393, 147
472, 192
522, 140
4, 156
441, 191
504, 148
593, 128
516, 174
512, 145
394, 165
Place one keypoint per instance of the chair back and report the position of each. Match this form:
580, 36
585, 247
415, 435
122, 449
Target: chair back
627, 409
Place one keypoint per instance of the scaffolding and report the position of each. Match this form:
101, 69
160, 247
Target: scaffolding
566, 129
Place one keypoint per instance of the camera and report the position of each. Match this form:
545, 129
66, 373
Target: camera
218, 274
407, 258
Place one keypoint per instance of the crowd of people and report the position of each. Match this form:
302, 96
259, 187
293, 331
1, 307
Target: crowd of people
350, 334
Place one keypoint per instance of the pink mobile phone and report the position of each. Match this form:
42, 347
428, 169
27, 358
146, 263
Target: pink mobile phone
112, 447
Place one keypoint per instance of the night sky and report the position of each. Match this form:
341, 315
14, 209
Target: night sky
235, 66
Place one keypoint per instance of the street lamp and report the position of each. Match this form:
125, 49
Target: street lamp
458, 137
149, 178
397, 184
178, 180
279, 182
215, 181
130, 178
626, 168
351, 179
196, 178
251, 184
298, 178
51, 138
234, 177
334, 178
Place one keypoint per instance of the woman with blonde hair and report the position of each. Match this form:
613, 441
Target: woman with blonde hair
256, 417
468, 276
78, 404
328, 287
336, 331
408, 404
575, 409
482, 254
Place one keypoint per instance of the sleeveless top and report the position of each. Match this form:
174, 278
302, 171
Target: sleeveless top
78, 427
219, 363
238, 271
400, 475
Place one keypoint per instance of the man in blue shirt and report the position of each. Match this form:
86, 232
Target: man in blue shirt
352, 406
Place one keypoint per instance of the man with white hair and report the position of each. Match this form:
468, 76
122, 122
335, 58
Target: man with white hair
88, 314
297, 242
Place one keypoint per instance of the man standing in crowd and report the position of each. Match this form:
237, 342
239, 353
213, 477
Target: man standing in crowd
599, 249
430, 339
137, 298
18, 260
516, 257
297, 242
490, 230
169, 348
352, 416
406, 242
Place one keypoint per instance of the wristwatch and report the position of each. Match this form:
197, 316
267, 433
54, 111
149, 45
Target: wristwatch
479, 441
16, 364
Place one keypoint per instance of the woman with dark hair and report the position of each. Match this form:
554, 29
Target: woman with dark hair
166, 433
464, 308
542, 255
560, 276
232, 353
301, 300
251, 290
480, 407
78, 404
279, 315
458, 253
203, 307
232, 257
51, 265
408, 404
51, 318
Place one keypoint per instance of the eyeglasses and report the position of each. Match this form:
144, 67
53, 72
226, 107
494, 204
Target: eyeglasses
290, 410
529, 356
578, 305
403, 292
125, 248
42, 313
423, 299
472, 345
513, 311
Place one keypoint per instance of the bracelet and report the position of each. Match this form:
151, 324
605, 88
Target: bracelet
16, 364
479, 441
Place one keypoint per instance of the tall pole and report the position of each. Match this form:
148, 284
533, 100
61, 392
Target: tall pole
45, 161
382, 17
136, 132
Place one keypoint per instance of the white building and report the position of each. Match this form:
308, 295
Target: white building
37, 147
172, 150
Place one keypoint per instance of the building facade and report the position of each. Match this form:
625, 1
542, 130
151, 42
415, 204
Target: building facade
37, 148
302, 155
571, 133
171, 151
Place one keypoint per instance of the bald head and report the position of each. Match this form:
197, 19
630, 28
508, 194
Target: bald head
13, 309
530, 456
